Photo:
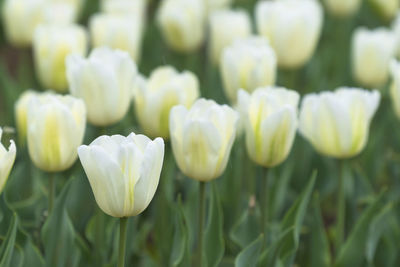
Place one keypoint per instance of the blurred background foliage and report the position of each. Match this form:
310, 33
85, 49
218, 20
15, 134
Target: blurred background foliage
301, 209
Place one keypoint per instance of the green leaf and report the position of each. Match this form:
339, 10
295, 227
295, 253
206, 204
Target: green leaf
248, 257
246, 229
179, 254
58, 235
214, 240
353, 251
8, 245
320, 255
283, 249
376, 229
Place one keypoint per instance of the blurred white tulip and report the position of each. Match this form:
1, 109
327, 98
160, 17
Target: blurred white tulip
21, 113
182, 23
51, 45
247, 64
337, 123
270, 122
225, 27
386, 8
155, 97
202, 138
117, 31
342, 8
212, 5
123, 172
372, 51
7, 159
293, 27
395, 86
56, 125
104, 81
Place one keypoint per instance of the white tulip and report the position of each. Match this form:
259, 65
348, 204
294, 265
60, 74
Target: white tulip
123, 172
212, 5
136, 8
270, 122
7, 159
21, 113
293, 27
202, 138
51, 45
226, 26
182, 23
372, 51
56, 125
342, 8
337, 123
395, 86
117, 31
247, 64
155, 97
104, 81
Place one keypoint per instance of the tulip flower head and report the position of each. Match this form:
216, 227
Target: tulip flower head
202, 138
372, 52
7, 159
123, 172
104, 81
247, 64
342, 8
182, 23
21, 113
117, 31
395, 86
226, 26
293, 27
155, 97
51, 45
56, 125
270, 120
212, 5
337, 123
386, 8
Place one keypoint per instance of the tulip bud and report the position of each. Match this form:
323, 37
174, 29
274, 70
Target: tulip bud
247, 64
182, 24
51, 45
135, 8
386, 8
117, 31
123, 172
227, 26
342, 8
56, 125
164, 89
293, 27
372, 51
395, 86
21, 113
270, 122
20, 18
212, 5
60, 13
104, 81
202, 138
337, 123
7, 159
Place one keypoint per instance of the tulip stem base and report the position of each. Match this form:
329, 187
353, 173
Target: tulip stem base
52, 192
122, 241
264, 198
341, 210
202, 208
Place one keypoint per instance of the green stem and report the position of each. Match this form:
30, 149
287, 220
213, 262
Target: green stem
264, 198
202, 208
122, 241
52, 191
341, 210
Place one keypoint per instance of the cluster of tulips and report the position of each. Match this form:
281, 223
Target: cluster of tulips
123, 171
